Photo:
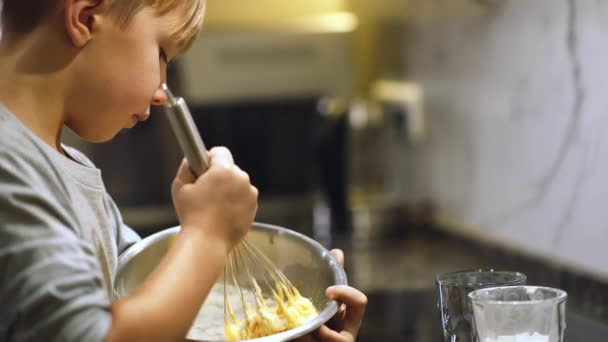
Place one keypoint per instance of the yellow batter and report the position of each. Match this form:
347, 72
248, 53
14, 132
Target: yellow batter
291, 311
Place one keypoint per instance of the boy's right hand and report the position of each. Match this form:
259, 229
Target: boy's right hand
222, 202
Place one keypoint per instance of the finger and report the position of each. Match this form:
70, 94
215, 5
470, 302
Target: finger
307, 338
220, 156
184, 175
244, 175
327, 335
355, 302
339, 255
337, 321
255, 194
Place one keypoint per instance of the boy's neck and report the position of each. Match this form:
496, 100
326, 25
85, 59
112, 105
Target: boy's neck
31, 86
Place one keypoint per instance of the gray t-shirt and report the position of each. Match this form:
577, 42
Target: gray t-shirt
60, 237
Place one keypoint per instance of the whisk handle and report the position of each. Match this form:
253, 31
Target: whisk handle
188, 137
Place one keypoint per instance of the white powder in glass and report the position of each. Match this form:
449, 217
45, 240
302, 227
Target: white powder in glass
525, 337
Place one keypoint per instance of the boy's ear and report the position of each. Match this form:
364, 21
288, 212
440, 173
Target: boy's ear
81, 17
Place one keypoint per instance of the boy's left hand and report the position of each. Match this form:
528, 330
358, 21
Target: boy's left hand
344, 326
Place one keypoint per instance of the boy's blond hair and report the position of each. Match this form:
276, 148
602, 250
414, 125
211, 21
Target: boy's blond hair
22, 16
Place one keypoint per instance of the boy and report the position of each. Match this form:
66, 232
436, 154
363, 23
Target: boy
96, 66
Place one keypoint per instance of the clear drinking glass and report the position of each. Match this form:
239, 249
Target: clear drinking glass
454, 305
519, 314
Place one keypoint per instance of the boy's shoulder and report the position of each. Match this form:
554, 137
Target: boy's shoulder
17, 141
26, 158
27, 164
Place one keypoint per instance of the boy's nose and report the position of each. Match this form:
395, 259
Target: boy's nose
159, 97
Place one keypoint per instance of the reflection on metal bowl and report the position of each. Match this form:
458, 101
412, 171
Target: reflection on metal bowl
307, 264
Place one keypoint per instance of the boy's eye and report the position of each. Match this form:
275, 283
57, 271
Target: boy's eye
163, 55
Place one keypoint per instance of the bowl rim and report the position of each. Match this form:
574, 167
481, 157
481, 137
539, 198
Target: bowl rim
325, 315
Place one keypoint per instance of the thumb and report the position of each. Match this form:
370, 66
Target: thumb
339, 255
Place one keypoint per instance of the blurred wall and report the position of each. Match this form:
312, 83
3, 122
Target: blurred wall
379, 40
231, 12
379, 27
517, 98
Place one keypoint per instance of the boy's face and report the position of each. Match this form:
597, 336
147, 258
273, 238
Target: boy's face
118, 74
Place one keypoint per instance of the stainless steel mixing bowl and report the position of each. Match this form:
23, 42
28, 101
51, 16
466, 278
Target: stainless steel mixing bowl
307, 264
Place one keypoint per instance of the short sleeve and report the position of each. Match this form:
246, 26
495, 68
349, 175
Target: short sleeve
125, 235
51, 285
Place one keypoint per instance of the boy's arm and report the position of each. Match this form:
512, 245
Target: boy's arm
125, 311
51, 285
163, 308
215, 212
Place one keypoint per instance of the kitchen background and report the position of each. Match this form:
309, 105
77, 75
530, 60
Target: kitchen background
424, 136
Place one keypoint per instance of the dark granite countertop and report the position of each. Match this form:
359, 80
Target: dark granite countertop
397, 274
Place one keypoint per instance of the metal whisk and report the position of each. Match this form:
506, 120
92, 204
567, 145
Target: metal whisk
245, 257
246, 269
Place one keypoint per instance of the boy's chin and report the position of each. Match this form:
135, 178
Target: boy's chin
98, 137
